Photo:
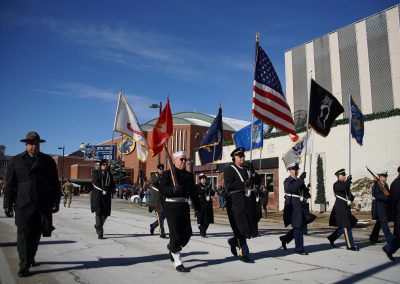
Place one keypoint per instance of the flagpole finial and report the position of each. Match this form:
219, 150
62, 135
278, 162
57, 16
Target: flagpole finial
257, 36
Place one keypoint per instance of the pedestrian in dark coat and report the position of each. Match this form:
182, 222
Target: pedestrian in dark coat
296, 211
100, 197
33, 189
241, 203
205, 215
341, 216
157, 201
380, 209
176, 207
394, 206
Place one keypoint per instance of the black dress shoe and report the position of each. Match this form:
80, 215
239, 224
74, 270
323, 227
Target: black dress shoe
232, 244
100, 236
302, 252
151, 230
163, 236
246, 259
353, 249
34, 263
23, 272
332, 242
388, 254
283, 243
181, 268
204, 236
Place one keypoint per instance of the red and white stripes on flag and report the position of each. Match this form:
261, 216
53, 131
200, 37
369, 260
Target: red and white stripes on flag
269, 103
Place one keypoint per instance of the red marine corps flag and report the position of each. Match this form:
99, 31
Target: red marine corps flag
162, 130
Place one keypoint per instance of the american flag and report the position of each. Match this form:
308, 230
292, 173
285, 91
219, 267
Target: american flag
269, 103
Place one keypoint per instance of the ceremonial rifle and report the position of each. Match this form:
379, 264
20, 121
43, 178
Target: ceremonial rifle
381, 185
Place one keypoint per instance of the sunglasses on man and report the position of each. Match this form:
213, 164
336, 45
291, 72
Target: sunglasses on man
240, 155
183, 159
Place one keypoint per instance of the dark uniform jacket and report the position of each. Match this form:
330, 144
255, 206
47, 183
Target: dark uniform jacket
341, 213
32, 186
242, 210
178, 213
205, 215
100, 203
380, 203
295, 210
156, 202
394, 203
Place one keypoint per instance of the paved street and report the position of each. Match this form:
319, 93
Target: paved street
129, 254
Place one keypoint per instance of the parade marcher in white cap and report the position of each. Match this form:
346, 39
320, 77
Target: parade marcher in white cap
177, 209
380, 208
341, 216
293, 212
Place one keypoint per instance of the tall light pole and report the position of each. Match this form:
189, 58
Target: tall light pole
62, 164
160, 108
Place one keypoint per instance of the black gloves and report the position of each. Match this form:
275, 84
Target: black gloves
9, 212
349, 178
249, 182
56, 207
303, 175
251, 168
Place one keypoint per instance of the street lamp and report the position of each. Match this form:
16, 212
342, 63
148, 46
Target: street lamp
160, 108
62, 164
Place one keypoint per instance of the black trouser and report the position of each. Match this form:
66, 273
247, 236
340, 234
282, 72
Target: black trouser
375, 232
203, 229
27, 245
100, 220
159, 222
297, 235
348, 236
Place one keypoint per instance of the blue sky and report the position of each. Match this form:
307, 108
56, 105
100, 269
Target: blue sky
62, 63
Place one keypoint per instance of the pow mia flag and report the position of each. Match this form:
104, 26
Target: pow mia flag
324, 109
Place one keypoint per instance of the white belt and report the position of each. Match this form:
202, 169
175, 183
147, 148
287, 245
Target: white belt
344, 199
155, 188
177, 199
373, 198
98, 188
295, 195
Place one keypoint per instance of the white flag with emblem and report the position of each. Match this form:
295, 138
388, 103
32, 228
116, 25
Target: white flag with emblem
126, 123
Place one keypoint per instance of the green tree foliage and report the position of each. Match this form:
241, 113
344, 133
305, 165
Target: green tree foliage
320, 199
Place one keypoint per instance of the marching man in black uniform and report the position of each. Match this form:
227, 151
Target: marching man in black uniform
100, 197
341, 216
205, 216
177, 209
241, 203
394, 206
380, 208
295, 212
156, 202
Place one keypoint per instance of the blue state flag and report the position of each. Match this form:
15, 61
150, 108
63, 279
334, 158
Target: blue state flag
210, 148
357, 122
242, 136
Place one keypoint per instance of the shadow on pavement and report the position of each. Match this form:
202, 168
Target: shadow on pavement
367, 273
120, 236
13, 244
105, 262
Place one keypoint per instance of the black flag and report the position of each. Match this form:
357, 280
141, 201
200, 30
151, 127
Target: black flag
324, 109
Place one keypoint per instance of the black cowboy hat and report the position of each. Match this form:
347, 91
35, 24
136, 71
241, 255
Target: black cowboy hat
33, 136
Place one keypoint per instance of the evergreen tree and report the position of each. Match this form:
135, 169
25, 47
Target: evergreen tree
320, 199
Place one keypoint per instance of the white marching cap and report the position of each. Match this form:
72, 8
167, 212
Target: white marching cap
292, 166
179, 154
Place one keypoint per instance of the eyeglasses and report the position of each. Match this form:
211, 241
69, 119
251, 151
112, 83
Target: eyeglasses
240, 155
183, 159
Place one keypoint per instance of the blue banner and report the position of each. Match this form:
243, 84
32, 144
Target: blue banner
357, 122
210, 148
242, 136
97, 153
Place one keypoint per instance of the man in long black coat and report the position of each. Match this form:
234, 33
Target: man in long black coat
176, 207
100, 197
341, 216
205, 216
241, 204
157, 201
380, 209
394, 206
295, 212
33, 189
